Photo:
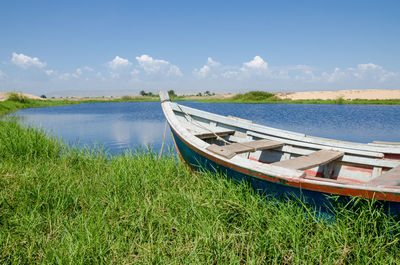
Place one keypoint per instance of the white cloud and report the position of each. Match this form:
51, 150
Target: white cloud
255, 68
305, 75
257, 71
203, 72
207, 69
257, 63
80, 73
230, 74
25, 61
118, 63
369, 66
156, 66
363, 72
212, 63
254, 73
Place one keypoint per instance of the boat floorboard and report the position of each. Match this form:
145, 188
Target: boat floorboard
390, 178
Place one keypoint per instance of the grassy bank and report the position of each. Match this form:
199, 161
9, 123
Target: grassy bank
16, 102
63, 205
9, 106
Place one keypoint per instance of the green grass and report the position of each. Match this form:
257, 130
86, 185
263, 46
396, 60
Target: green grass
17, 97
59, 204
15, 104
254, 96
137, 98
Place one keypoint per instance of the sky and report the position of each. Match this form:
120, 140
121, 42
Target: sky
75, 48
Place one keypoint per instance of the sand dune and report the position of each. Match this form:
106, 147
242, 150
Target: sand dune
345, 94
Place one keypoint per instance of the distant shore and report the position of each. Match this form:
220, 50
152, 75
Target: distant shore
369, 96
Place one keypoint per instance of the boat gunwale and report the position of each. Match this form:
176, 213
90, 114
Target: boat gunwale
289, 134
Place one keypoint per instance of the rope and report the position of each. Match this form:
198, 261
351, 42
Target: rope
163, 140
208, 129
201, 126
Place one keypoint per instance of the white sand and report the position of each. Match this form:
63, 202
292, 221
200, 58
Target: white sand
345, 94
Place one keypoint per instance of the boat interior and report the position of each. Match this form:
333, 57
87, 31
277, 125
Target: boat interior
375, 164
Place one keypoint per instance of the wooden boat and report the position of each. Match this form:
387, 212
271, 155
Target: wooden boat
283, 162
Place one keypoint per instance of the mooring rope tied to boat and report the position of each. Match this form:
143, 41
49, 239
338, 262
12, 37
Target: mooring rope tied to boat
163, 140
201, 126
208, 129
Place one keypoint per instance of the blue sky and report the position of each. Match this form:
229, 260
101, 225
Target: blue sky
114, 47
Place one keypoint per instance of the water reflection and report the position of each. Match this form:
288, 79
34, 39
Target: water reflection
115, 126
118, 126
142, 132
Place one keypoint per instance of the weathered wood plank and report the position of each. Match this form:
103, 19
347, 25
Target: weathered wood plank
263, 144
234, 138
208, 135
314, 159
346, 158
390, 178
288, 149
316, 146
376, 171
220, 150
231, 150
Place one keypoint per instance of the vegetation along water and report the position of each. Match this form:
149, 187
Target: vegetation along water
59, 204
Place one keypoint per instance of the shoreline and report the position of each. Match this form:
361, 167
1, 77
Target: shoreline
370, 96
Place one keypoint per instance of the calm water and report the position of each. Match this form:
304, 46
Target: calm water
118, 126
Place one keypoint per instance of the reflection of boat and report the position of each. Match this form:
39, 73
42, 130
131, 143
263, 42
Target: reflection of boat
285, 162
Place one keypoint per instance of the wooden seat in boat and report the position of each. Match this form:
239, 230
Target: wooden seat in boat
221, 133
390, 178
231, 150
204, 131
314, 159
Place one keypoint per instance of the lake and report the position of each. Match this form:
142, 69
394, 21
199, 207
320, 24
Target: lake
118, 126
